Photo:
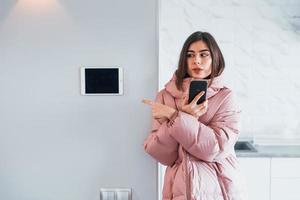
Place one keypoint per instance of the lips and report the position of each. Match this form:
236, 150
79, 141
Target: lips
197, 70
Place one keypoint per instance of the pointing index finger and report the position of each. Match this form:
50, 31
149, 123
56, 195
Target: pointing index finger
148, 102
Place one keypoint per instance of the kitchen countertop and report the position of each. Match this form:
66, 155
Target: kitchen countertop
271, 151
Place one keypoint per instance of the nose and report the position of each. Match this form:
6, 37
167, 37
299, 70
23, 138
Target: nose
197, 60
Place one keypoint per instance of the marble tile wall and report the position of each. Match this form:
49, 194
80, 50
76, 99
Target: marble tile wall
260, 40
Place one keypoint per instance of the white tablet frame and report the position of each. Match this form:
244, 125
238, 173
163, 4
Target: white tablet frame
82, 75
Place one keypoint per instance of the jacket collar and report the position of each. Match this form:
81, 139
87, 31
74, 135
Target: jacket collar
213, 89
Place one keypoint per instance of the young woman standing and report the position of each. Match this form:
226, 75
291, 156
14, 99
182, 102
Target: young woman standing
196, 142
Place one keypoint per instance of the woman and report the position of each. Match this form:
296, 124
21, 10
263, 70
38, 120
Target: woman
196, 142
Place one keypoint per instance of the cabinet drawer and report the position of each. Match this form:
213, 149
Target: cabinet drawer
257, 174
287, 189
285, 168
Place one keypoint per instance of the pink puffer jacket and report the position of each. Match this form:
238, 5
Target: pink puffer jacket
200, 155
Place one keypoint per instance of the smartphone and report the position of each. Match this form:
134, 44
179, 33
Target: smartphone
196, 86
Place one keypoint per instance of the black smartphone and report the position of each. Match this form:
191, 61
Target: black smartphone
196, 86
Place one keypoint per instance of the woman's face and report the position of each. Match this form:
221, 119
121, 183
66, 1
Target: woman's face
199, 60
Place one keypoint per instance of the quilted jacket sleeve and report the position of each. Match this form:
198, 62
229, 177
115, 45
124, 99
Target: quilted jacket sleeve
159, 144
213, 141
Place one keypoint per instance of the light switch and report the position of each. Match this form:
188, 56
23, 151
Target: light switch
115, 194
107, 195
123, 195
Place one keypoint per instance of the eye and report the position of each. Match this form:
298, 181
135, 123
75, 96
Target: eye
190, 55
204, 54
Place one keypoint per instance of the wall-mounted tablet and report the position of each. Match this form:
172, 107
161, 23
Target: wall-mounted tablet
101, 81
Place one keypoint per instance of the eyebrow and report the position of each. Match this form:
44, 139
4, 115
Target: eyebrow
192, 51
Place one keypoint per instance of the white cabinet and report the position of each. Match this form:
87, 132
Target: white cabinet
285, 179
161, 175
272, 178
257, 175
285, 168
287, 189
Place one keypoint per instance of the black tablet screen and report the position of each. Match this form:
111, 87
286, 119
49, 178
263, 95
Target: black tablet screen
102, 80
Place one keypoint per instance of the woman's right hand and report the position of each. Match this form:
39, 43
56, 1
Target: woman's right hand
160, 111
194, 109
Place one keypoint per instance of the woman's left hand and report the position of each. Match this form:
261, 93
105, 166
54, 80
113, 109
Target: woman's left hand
160, 111
194, 109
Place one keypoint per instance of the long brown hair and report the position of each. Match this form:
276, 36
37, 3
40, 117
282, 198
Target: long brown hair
218, 62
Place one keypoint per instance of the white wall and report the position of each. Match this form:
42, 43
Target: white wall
54, 143
261, 43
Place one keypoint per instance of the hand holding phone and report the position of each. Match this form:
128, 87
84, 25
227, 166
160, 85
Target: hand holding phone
197, 86
197, 103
